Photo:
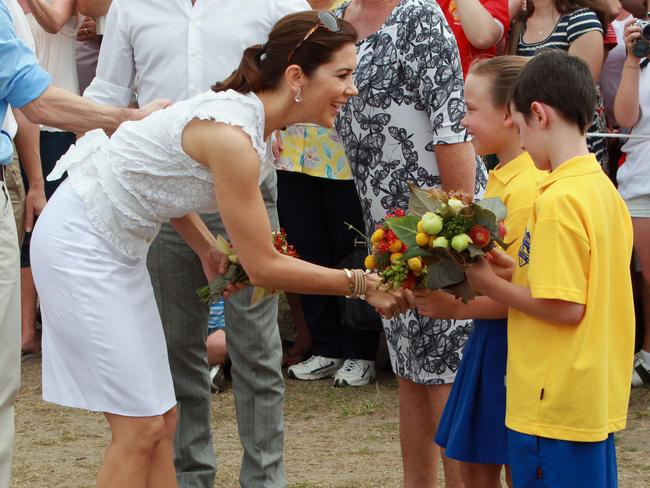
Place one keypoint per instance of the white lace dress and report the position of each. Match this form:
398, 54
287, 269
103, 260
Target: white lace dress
103, 343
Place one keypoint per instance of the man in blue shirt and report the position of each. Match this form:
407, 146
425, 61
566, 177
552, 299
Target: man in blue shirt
26, 86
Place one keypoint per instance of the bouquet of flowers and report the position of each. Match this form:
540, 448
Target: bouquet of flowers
237, 274
432, 245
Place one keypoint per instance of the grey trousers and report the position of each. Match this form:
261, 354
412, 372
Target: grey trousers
9, 332
255, 350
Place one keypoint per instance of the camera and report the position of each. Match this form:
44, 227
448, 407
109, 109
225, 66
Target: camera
641, 47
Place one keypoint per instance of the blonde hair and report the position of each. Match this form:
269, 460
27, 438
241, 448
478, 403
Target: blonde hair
503, 71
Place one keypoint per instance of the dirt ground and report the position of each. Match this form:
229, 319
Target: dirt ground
335, 438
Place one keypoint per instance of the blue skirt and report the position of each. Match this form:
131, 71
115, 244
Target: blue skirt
472, 427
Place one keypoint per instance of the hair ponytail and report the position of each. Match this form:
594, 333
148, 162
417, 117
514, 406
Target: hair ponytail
262, 66
502, 71
248, 77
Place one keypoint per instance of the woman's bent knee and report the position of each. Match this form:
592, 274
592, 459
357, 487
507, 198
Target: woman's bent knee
140, 434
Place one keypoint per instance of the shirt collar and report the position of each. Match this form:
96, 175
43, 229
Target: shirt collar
508, 171
580, 165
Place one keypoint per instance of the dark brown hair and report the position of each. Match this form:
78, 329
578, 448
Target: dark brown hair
263, 65
559, 80
563, 7
502, 71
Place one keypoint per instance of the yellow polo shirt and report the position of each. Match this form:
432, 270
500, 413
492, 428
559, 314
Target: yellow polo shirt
563, 381
517, 185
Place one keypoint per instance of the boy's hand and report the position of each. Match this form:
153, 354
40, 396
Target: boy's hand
436, 304
502, 264
481, 276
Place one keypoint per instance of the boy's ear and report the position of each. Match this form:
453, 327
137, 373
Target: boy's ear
539, 114
294, 77
507, 120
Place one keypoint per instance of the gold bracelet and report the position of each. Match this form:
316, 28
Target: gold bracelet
364, 285
357, 282
348, 273
625, 65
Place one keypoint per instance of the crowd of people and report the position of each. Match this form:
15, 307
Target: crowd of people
135, 132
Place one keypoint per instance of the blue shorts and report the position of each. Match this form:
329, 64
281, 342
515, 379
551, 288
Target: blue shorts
538, 462
217, 318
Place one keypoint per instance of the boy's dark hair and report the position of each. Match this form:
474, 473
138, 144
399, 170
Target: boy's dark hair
560, 81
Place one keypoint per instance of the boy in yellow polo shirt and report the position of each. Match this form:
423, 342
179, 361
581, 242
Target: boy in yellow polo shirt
571, 317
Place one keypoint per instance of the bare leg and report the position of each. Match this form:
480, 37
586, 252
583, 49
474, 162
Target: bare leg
642, 250
217, 348
302, 343
132, 452
161, 470
417, 428
30, 341
481, 475
508, 477
438, 395
420, 409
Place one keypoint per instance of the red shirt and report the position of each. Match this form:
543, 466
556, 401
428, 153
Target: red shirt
499, 11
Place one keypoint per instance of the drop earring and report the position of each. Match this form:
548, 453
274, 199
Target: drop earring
298, 97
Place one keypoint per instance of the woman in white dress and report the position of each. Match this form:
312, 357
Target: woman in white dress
103, 344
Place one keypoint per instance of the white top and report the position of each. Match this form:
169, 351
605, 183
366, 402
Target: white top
141, 176
23, 32
56, 54
634, 176
610, 75
177, 50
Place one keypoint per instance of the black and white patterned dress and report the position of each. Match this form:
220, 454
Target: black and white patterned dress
410, 99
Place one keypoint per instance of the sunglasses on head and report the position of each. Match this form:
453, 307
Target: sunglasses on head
325, 19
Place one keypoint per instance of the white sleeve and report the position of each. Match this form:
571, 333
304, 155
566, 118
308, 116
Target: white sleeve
113, 82
285, 7
21, 26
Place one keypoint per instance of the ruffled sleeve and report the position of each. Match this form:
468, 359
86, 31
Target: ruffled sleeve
79, 152
230, 107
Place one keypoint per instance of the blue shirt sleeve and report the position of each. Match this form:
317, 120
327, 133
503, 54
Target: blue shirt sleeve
21, 79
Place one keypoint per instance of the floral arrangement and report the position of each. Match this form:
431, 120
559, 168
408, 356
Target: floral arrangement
236, 273
432, 245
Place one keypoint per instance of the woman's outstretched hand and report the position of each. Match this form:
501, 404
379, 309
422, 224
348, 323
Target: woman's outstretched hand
388, 303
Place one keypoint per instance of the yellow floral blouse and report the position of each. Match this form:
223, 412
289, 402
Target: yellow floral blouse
314, 151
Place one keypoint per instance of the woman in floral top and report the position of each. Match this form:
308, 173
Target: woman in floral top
404, 126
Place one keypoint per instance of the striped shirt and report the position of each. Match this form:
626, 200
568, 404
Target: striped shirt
569, 27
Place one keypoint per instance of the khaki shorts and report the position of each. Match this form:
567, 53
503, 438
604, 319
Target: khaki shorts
14, 182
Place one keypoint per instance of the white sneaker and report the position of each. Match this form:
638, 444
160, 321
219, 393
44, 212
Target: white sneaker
355, 372
640, 372
314, 368
217, 379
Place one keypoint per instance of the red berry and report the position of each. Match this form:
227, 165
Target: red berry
480, 235
502, 230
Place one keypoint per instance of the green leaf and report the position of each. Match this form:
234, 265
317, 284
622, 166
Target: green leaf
405, 228
504, 245
475, 251
494, 205
421, 202
461, 290
487, 219
443, 274
415, 251
258, 294
223, 246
